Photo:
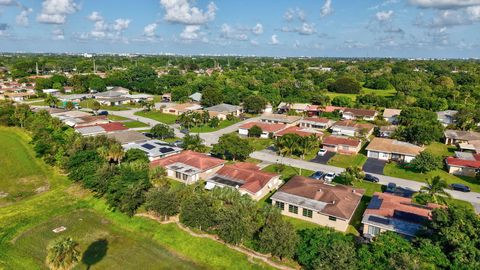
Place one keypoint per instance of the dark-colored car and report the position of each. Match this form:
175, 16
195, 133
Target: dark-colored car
102, 113
391, 187
317, 175
460, 187
149, 135
371, 178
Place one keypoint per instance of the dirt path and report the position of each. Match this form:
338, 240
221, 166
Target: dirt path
250, 253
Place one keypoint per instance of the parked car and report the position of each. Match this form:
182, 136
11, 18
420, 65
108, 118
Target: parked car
317, 175
322, 152
149, 135
371, 178
460, 187
329, 177
102, 113
391, 187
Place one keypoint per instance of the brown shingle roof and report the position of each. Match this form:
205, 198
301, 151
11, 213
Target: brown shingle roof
339, 140
302, 132
391, 203
254, 179
197, 160
360, 112
264, 126
341, 201
394, 146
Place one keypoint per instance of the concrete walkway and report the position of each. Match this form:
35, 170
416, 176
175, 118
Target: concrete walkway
268, 156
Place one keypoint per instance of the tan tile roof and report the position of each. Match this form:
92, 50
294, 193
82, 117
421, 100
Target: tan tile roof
302, 132
391, 112
351, 123
254, 179
360, 112
340, 140
317, 120
267, 127
197, 160
341, 201
394, 146
391, 203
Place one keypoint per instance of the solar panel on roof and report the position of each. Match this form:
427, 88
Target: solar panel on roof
375, 203
164, 150
379, 220
148, 146
410, 217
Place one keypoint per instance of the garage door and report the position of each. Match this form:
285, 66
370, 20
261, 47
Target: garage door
373, 154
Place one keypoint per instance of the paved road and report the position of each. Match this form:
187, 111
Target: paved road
268, 156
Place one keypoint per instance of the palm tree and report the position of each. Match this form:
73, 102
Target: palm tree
51, 100
287, 144
63, 254
116, 153
436, 189
96, 106
306, 144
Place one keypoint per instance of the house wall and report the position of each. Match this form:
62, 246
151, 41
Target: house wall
317, 218
366, 226
461, 171
196, 177
273, 184
243, 131
388, 156
340, 131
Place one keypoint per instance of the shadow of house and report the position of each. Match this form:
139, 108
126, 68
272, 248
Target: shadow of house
95, 252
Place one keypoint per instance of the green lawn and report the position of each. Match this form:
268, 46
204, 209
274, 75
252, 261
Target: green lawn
21, 174
112, 117
396, 170
88, 104
287, 172
158, 116
207, 128
38, 103
345, 161
260, 144
135, 124
384, 92
441, 149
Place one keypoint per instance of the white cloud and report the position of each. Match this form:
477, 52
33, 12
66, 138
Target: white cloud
184, 12
121, 24
95, 17
22, 18
149, 30
274, 40
326, 9
191, 32
234, 33
56, 11
292, 14
304, 29
104, 30
58, 34
257, 29
383, 16
444, 4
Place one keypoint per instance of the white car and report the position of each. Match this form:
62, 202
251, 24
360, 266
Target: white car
329, 177
322, 152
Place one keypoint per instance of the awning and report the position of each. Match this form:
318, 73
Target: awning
209, 186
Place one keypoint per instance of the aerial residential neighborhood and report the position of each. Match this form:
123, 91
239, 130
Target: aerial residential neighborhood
286, 135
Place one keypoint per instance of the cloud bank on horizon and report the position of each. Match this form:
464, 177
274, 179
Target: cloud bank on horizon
396, 28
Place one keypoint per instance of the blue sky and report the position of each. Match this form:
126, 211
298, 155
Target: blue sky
385, 28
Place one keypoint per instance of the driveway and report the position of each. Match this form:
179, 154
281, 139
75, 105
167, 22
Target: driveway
323, 159
373, 165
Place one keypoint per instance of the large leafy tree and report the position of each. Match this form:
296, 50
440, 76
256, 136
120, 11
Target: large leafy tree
162, 201
426, 162
63, 254
287, 144
345, 85
162, 131
254, 104
230, 146
211, 96
193, 142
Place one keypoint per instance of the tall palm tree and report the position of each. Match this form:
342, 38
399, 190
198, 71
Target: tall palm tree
306, 144
436, 189
286, 145
116, 153
63, 254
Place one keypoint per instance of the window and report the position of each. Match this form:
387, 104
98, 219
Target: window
185, 177
178, 175
332, 218
373, 231
307, 213
293, 209
280, 205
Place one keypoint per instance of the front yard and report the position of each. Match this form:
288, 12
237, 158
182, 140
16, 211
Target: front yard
287, 172
345, 161
401, 171
134, 124
158, 116
206, 128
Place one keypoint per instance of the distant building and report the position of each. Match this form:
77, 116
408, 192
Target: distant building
387, 131
315, 201
247, 178
460, 136
391, 115
447, 117
300, 131
360, 114
178, 109
352, 129
342, 145
267, 128
464, 163
316, 122
280, 119
196, 97
128, 136
388, 212
52, 92
221, 111
388, 149
100, 129
154, 149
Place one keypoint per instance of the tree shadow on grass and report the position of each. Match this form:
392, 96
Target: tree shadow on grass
95, 252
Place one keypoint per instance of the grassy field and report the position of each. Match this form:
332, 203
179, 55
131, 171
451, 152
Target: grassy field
397, 170
121, 242
287, 172
88, 104
158, 116
345, 161
135, 124
207, 128
441, 149
260, 144
112, 117
21, 174
384, 93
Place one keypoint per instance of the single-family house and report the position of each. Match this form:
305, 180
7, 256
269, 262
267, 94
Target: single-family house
447, 117
196, 97
167, 97
360, 114
289, 120
352, 129
386, 131
299, 107
128, 136
464, 163
267, 128
100, 129
89, 120
178, 109
388, 212
221, 111
472, 146
391, 115
139, 97
460, 136
189, 166
247, 178
300, 131
53, 92
18, 96
316, 122
342, 144
389, 149
318, 202
119, 89
154, 149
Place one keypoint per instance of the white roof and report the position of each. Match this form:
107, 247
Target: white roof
154, 148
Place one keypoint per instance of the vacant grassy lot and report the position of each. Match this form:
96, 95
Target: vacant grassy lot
397, 170
207, 128
21, 174
345, 161
158, 116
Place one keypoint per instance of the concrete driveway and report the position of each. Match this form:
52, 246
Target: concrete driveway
373, 165
323, 159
